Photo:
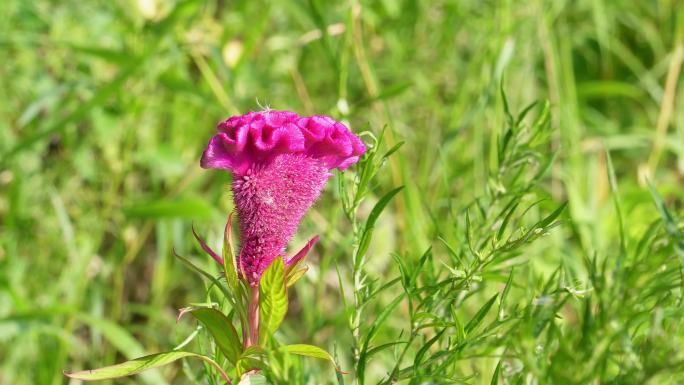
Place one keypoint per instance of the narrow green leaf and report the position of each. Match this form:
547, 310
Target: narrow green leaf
377, 349
511, 209
294, 276
525, 111
364, 243
495, 376
479, 316
309, 351
618, 206
141, 364
669, 220
363, 357
469, 235
552, 217
504, 99
460, 331
423, 350
222, 330
273, 298
229, 267
238, 301
123, 341
504, 295
383, 317
392, 150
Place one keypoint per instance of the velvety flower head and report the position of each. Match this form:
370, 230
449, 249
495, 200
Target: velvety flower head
280, 163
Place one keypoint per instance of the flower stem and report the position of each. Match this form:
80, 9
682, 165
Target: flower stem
253, 314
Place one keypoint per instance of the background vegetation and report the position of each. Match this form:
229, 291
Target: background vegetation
477, 271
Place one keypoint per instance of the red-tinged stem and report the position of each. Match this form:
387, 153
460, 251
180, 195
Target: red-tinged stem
250, 333
246, 340
253, 315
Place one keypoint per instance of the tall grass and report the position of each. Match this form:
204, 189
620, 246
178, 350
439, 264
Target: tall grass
517, 220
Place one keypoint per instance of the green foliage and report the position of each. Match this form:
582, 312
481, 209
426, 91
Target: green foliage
272, 298
222, 331
138, 365
308, 351
530, 243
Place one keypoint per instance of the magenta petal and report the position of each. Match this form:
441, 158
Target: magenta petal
347, 162
313, 133
231, 123
216, 155
357, 144
341, 140
303, 252
206, 248
255, 138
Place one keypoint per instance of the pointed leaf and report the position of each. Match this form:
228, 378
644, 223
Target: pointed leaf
495, 376
273, 298
141, 364
309, 351
477, 319
206, 247
222, 330
228, 257
238, 301
293, 262
379, 207
361, 366
669, 221
294, 276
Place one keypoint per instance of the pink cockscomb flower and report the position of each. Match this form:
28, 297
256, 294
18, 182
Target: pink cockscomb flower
280, 163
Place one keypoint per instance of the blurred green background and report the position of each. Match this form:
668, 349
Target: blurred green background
107, 106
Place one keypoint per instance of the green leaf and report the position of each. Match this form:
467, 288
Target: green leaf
423, 350
123, 341
238, 301
477, 319
294, 276
504, 295
140, 364
222, 330
392, 150
250, 359
669, 220
497, 372
552, 217
229, 258
364, 243
361, 366
273, 298
377, 349
309, 351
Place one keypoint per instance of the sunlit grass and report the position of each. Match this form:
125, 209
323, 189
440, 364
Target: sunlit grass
521, 250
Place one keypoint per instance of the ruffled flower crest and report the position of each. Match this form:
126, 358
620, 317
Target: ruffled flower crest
280, 163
